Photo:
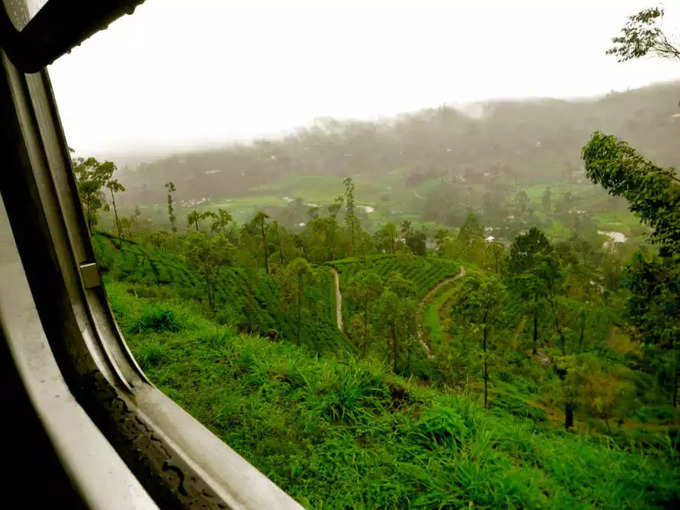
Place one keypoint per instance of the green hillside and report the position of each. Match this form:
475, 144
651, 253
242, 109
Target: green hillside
424, 272
248, 298
339, 434
537, 141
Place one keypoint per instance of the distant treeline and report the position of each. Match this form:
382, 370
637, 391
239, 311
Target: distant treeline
525, 141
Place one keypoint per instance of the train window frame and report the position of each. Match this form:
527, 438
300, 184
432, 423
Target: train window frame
55, 28
175, 458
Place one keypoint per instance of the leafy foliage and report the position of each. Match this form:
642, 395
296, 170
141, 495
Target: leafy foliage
338, 434
653, 192
91, 177
641, 35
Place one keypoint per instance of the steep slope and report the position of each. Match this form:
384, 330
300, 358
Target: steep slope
247, 299
339, 434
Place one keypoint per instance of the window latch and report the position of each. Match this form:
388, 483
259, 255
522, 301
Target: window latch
89, 272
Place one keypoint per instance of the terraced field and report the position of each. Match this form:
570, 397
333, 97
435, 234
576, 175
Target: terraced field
247, 298
424, 272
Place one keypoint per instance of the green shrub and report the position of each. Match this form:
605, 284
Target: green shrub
353, 398
150, 355
158, 318
440, 426
517, 407
656, 413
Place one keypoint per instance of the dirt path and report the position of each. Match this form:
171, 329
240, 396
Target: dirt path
338, 299
421, 309
421, 305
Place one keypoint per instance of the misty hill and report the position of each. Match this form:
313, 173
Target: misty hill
532, 141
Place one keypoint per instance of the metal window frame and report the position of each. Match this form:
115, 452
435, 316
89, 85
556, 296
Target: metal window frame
176, 460
57, 27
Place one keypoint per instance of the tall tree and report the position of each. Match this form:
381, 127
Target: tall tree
642, 35
396, 316
494, 251
115, 187
652, 192
171, 210
364, 289
335, 207
653, 308
525, 272
208, 255
260, 222
221, 221
546, 200
194, 218
479, 301
441, 237
521, 204
350, 214
387, 238
293, 279
91, 177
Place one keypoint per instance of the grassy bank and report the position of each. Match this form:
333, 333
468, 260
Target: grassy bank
345, 434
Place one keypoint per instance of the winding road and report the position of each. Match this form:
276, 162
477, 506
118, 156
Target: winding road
421, 305
430, 293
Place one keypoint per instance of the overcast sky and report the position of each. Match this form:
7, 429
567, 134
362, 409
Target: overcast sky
182, 73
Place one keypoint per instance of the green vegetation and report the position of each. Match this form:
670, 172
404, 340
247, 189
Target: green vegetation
425, 272
431, 318
339, 434
443, 388
546, 374
245, 298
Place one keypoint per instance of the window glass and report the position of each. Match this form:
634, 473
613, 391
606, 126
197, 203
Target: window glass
357, 242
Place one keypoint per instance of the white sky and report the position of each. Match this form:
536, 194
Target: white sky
180, 73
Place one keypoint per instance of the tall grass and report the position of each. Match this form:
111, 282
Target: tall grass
339, 433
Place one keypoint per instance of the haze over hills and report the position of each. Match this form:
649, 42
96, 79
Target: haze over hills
531, 141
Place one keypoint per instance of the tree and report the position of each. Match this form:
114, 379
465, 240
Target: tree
115, 187
526, 273
654, 196
442, 236
221, 221
207, 255
495, 251
546, 200
521, 203
641, 35
260, 222
653, 192
396, 316
171, 210
479, 301
417, 243
194, 218
350, 215
470, 244
323, 239
91, 177
364, 289
387, 238
603, 393
335, 207
653, 307
293, 279
406, 228
547, 271
564, 204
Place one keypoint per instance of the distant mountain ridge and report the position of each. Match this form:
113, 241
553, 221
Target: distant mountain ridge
529, 141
